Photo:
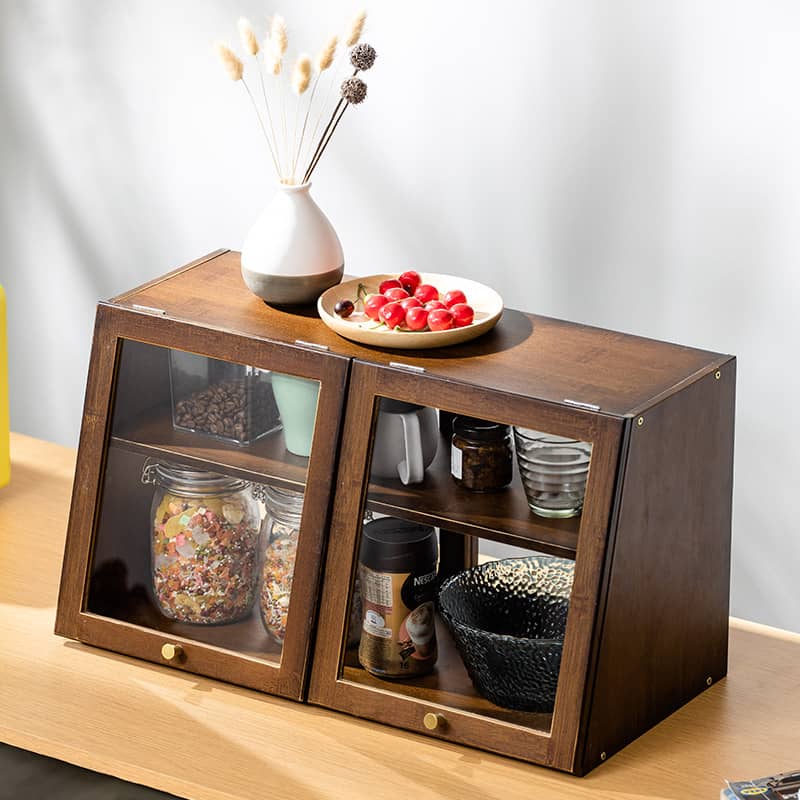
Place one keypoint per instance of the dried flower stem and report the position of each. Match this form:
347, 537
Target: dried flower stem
314, 163
328, 92
349, 39
324, 61
263, 129
269, 114
320, 145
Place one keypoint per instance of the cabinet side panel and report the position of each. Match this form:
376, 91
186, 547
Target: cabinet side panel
665, 629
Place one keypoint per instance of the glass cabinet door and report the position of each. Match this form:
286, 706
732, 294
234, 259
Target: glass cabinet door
211, 505
462, 560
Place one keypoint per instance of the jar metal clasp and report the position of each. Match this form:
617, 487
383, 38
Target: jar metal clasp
148, 471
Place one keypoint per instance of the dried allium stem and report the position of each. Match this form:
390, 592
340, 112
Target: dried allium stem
324, 61
314, 163
356, 29
353, 91
230, 61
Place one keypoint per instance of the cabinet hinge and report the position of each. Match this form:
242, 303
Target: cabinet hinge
578, 404
149, 309
311, 344
409, 367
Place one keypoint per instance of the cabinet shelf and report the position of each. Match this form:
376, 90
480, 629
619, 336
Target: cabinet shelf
267, 457
503, 516
448, 685
245, 638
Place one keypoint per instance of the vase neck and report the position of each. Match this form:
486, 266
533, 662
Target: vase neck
290, 189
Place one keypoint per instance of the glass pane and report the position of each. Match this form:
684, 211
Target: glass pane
202, 499
465, 562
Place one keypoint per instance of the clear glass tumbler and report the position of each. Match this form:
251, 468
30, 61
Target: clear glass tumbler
553, 471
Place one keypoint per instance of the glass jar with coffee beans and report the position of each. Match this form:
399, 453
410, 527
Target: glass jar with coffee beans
229, 401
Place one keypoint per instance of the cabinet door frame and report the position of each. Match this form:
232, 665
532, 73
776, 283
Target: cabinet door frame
368, 382
113, 326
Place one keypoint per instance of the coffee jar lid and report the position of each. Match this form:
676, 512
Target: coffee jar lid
479, 429
397, 545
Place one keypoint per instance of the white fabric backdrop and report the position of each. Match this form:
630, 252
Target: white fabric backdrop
631, 165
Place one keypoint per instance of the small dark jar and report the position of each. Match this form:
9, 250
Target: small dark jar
481, 455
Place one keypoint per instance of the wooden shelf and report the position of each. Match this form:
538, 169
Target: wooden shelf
267, 457
448, 685
503, 516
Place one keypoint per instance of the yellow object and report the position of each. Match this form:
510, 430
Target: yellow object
5, 460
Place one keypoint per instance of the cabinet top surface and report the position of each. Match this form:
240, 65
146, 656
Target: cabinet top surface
526, 354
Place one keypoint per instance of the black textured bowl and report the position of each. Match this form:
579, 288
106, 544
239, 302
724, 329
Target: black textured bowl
508, 619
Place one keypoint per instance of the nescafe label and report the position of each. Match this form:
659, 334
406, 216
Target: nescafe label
398, 637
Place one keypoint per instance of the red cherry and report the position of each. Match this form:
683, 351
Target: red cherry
425, 293
373, 305
440, 319
454, 296
392, 314
462, 315
432, 305
416, 318
409, 280
410, 302
389, 283
395, 293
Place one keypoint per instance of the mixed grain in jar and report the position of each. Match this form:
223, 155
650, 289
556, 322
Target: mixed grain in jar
204, 544
280, 534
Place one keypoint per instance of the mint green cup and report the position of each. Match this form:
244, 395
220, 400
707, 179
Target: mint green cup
297, 404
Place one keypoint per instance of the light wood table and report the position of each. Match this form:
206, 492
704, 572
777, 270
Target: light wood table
203, 739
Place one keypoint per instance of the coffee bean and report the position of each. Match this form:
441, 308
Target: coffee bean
240, 410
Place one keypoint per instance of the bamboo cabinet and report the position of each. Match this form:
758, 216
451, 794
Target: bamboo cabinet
649, 554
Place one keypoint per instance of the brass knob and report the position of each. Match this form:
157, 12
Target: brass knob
433, 721
172, 652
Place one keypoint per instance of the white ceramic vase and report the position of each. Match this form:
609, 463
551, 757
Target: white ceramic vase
292, 254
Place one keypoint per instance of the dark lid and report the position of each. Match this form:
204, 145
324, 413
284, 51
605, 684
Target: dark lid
396, 545
480, 429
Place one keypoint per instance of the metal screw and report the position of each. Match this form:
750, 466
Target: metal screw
717, 374
603, 756
640, 421
709, 681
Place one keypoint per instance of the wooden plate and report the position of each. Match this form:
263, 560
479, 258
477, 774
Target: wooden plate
486, 302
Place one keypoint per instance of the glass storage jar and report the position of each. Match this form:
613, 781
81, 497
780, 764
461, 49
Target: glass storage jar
204, 544
280, 533
228, 401
481, 455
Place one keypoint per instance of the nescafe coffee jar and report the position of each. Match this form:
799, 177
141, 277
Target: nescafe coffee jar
481, 458
397, 572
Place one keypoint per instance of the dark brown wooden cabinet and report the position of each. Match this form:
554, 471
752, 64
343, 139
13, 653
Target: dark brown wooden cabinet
647, 623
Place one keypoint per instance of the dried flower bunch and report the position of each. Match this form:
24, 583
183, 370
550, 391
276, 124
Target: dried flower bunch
287, 140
